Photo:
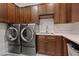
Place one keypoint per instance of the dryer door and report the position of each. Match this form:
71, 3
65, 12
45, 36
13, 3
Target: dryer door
27, 34
12, 33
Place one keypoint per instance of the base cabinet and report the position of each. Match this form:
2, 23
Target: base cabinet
49, 45
40, 44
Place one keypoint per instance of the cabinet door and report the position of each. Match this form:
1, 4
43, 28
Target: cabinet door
54, 45
50, 45
65, 50
57, 13
42, 9
21, 14
59, 46
27, 15
62, 13
50, 7
69, 13
65, 12
41, 44
11, 13
3, 12
34, 14
17, 16
75, 12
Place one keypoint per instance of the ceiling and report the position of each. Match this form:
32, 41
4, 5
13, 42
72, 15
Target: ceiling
25, 4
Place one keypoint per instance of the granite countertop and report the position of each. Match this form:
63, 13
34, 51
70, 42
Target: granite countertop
71, 37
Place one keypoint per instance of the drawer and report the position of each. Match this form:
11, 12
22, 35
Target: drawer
41, 37
50, 37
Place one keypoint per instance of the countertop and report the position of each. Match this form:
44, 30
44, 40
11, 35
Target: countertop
71, 37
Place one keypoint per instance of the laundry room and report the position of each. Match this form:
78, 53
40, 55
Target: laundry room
39, 29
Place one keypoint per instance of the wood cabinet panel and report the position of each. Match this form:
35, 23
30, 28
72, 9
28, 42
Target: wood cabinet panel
30, 14
11, 13
57, 13
21, 15
75, 13
69, 13
40, 44
59, 46
65, 49
63, 13
27, 15
50, 45
42, 9
3, 12
17, 16
50, 7
34, 14
46, 8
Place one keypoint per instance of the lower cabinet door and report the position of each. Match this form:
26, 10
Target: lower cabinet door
41, 47
50, 45
50, 48
41, 44
65, 51
59, 46
53, 46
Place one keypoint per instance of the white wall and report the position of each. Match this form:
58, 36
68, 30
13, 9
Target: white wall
67, 28
75, 28
63, 28
54, 28
46, 25
3, 42
72, 28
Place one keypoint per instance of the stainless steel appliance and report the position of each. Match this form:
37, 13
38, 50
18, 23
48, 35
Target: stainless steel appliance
21, 39
28, 39
73, 49
12, 35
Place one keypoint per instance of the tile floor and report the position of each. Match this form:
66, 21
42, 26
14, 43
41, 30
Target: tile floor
12, 54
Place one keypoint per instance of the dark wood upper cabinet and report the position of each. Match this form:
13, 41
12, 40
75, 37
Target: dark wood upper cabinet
27, 15
75, 12
3, 12
46, 8
50, 8
69, 13
62, 13
34, 14
17, 16
42, 9
21, 15
65, 13
11, 12
57, 13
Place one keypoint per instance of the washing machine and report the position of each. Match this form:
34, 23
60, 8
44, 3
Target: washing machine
28, 39
13, 38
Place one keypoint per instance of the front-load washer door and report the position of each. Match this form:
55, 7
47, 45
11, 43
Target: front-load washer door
27, 34
12, 34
